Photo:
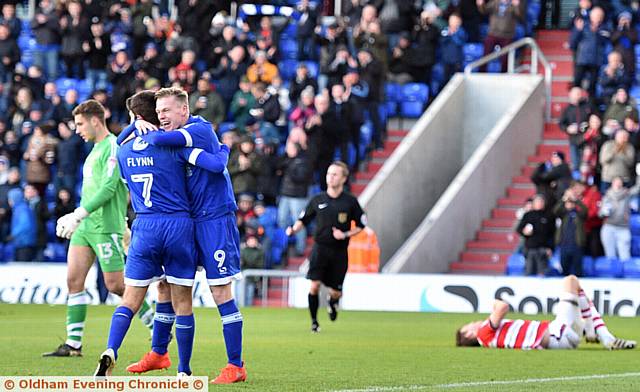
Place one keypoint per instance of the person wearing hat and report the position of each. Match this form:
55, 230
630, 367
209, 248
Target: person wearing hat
537, 229
621, 105
329, 43
150, 62
574, 121
97, 49
9, 53
552, 178
207, 103
612, 77
623, 38
301, 81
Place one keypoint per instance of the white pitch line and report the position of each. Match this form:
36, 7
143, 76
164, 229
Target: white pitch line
487, 383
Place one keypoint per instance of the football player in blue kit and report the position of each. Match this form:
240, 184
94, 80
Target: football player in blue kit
162, 236
213, 210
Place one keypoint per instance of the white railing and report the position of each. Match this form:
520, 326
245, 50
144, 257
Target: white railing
264, 288
510, 51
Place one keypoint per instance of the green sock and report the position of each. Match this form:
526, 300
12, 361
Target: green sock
76, 314
146, 314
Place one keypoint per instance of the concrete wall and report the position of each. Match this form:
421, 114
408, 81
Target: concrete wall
494, 158
424, 165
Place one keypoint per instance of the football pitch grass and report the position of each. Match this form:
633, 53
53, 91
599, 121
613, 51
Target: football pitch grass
362, 351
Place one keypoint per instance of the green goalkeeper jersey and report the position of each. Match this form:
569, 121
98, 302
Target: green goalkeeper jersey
104, 195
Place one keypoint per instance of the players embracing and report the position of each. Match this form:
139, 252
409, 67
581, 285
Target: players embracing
216, 235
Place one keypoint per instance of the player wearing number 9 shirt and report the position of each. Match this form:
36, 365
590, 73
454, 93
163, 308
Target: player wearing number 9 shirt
213, 209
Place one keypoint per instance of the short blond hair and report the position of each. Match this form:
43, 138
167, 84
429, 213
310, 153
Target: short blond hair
343, 166
176, 92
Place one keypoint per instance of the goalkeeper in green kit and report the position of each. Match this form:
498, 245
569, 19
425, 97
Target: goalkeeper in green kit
96, 227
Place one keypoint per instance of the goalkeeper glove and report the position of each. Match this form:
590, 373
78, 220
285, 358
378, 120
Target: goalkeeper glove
68, 224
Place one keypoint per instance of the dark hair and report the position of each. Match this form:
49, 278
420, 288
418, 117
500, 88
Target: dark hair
143, 104
463, 341
90, 108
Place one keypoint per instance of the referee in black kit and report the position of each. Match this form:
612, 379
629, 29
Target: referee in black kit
334, 210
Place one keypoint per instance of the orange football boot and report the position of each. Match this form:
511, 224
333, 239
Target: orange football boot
150, 361
231, 374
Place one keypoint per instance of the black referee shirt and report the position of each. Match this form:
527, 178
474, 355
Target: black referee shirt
329, 213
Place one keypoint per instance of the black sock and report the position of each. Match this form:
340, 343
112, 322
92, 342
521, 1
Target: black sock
333, 302
313, 306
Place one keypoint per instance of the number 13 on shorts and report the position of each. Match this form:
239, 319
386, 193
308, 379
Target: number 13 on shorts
220, 256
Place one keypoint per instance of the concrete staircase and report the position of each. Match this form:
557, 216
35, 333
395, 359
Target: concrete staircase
277, 292
496, 239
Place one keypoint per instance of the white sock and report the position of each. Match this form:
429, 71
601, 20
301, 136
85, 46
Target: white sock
606, 338
585, 308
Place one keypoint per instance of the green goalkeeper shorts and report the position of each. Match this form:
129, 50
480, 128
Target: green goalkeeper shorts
108, 248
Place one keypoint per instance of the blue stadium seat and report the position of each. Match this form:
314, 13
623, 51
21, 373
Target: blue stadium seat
50, 193
269, 218
288, 49
411, 109
588, 266
392, 91
366, 135
472, 52
289, 31
631, 268
84, 89
392, 108
555, 268
287, 69
51, 230
515, 264
9, 252
313, 67
27, 42
414, 92
635, 246
634, 224
2, 259
279, 245
437, 78
59, 253
27, 58
65, 84
225, 127
494, 67
607, 268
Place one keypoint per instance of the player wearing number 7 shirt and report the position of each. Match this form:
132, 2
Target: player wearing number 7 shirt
213, 209
162, 236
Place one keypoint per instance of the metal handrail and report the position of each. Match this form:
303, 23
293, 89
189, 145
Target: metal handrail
510, 51
265, 275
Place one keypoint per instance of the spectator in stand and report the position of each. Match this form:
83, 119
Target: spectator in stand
11, 148
425, 37
120, 75
537, 228
371, 72
503, 17
624, 38
436, 12
570, 236
66, 106
574, 121
588, 41
342, 112
184, 74
19, 108
40, 155
35, 81
207, 103
338, 67
615, 234
69, 155
301, 81
74, 29
141, 14
592, 199
195, 17
453, 39
149, 62
229, 72
617, 158
403, 60
621, 106
281, 92
395, 17
9, 19
267, 107
305, 26
251, 257
9, 53
296, 178
46, 28
244, 167
221, 46
372, 39
268, 47
323, 138
245, 212
261, 70
243, 102
471, 19
552, 178
42, 215
97, 49
12, 182
613, 76
305, 109
581, 12
23, 233
268, 181
334, 39
355, 94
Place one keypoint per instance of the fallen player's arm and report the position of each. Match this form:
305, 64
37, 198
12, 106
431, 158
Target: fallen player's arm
215, 163
500, 309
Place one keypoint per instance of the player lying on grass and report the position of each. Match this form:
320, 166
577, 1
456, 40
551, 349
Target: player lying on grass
217, 239
162, 237
575, 316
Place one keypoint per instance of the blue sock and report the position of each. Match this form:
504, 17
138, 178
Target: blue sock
162, 324
232, 331
185, 332
120, 322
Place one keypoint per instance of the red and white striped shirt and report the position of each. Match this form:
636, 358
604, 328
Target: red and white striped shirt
522, 334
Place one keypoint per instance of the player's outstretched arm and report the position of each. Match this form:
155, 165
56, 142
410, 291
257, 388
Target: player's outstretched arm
215, 163
197, 134
500, 310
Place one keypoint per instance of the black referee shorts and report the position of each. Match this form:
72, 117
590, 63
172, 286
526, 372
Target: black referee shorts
328, 265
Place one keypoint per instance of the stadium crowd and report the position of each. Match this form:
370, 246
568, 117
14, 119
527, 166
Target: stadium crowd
288, 88
587, 200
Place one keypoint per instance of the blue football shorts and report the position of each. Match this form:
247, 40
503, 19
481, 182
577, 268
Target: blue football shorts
218, 243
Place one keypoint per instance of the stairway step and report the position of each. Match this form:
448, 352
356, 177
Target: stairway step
560, 88
509, 237
499, 223
537, 158
515, 202
296, 261
548, 149
556, 51
386, 153
528, 170
557, 108
490, 246
521, 192
397, 132
357, 189
553, 44
555, 135
503, 213
521, 180
365, 175
478, 257
374, 166
478, 268
552, 35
